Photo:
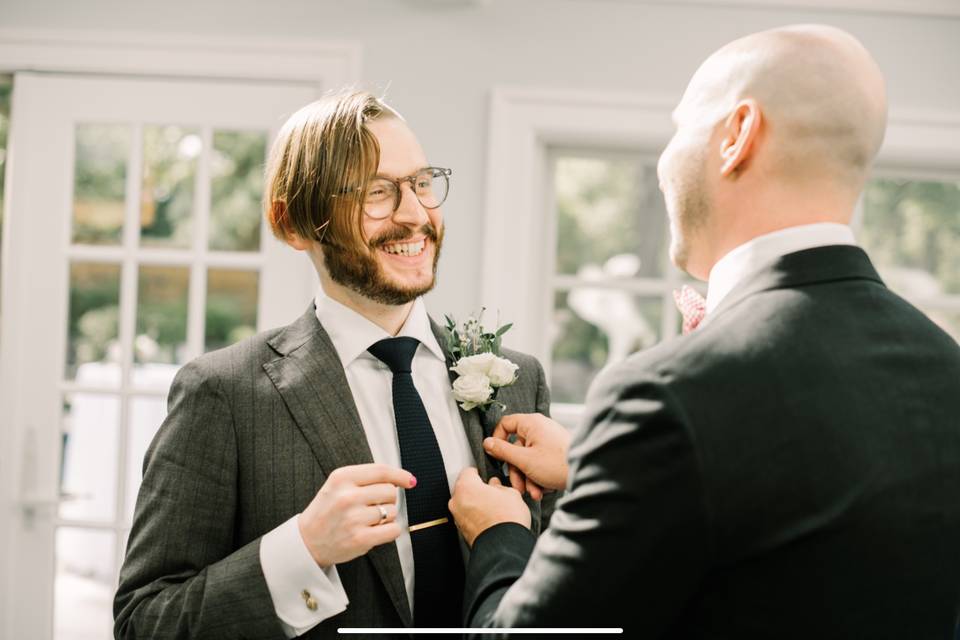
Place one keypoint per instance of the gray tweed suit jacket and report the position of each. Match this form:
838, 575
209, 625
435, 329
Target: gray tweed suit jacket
252, 432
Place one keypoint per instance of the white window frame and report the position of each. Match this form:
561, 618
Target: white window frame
322, 64
519, 245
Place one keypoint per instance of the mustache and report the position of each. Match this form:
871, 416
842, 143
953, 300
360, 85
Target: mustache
399, 234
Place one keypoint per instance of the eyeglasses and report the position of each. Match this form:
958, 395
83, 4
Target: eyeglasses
382, 196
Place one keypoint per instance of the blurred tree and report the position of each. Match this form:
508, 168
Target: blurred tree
915, 225
162, 293
227, 322
606, 207
237, 189
100, 181
231, 306
169, 173
92, 324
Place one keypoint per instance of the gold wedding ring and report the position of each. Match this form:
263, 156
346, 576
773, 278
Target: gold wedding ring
427, 525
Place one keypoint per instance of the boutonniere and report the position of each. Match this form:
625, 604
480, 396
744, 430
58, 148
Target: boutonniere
481, 370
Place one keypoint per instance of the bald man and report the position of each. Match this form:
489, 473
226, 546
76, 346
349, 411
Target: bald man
791, 467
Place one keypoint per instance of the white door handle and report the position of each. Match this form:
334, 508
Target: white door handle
31, 503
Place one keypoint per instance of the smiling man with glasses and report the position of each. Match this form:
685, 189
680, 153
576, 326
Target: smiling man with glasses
300, 481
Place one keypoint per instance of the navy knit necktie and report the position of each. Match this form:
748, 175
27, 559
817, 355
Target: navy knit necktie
437, 561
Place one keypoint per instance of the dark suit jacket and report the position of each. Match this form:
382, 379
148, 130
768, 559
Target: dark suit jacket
253, 431
789, 470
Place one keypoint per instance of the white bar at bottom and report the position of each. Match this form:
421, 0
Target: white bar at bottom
559, 630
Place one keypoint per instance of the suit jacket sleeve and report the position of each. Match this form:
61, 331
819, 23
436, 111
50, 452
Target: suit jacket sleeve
549, 501
184, 576
628, 542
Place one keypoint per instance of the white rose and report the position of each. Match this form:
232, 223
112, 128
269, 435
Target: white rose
475, 365
502, 372
472, 390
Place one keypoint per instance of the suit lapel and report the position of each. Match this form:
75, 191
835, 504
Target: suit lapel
473, 424
313, 385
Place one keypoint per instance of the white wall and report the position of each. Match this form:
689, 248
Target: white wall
439, 59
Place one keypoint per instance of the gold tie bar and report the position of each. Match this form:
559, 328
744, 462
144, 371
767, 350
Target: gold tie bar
427, 525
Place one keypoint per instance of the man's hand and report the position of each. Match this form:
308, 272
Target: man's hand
538, 456
344, 520
476, 506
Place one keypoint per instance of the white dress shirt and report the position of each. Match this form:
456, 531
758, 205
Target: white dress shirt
288, 567
763, 250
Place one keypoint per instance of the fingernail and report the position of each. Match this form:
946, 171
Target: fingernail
488, 443
413, 481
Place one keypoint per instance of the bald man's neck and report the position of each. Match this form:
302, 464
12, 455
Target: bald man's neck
776, 208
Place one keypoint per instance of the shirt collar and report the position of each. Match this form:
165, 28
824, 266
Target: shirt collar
352, 334
765, 249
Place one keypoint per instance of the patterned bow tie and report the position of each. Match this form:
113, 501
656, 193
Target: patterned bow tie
692, 306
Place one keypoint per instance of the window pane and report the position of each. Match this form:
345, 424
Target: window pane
911, 230
99, 184
146, 416
169, 172
88, 475
237, 189
594, 327
84, 584
606, 208
93, 348
231, 306
162, 315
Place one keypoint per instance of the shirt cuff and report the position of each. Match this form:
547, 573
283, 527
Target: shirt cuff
303, 594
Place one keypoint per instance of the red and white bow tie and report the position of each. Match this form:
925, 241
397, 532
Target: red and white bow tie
692, 306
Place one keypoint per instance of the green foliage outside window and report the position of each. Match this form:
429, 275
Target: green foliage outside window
915, 225
237, 189
606, 208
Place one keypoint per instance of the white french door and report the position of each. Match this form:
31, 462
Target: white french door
134, 242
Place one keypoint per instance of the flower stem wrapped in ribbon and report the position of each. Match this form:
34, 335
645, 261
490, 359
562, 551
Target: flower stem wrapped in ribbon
481, 370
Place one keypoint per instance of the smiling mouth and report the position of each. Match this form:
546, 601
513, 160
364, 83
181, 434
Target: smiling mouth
411, 249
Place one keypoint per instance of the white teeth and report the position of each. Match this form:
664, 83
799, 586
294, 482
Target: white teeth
405, 249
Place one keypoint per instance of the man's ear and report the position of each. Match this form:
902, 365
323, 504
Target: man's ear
296, 241
740, 133
278, 211
276, 215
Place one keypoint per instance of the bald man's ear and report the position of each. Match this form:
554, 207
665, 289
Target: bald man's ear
740, 133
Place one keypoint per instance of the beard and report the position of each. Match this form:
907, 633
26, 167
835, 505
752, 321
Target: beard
359, 270
689, 208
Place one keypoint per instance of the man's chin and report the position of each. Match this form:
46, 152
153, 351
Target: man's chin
412, 290
391, 292
679, 255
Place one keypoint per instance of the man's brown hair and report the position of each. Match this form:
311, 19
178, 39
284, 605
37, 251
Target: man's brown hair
320, 164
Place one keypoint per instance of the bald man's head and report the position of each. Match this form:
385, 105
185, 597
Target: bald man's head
821, 94
802, 107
